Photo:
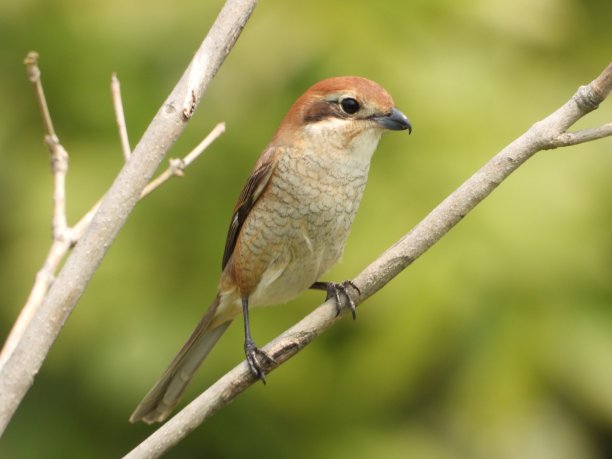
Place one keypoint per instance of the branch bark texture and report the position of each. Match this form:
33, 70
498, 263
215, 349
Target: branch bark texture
545, 134
18, 371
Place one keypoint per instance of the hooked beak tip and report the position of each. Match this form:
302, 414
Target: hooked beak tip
395, 121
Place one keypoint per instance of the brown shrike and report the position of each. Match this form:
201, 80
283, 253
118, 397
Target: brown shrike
291, 221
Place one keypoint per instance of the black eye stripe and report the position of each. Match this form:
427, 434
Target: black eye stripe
349, 105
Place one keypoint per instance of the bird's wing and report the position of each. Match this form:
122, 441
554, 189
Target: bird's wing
252, 190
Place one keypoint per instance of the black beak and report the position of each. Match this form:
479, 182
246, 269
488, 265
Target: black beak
395, 121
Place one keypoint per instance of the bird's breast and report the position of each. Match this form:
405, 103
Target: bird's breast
319, 196
297, 229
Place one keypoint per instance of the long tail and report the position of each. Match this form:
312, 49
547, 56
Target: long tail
167, 391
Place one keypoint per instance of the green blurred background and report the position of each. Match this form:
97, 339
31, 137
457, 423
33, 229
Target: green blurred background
497, 343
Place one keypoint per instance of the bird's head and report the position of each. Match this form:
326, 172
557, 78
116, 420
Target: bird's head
344, 112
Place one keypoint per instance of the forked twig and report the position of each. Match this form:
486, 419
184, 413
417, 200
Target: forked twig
64, 236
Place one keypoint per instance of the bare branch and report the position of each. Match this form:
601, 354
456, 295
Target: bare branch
395, 259
602, 85
31, 62
177, 166
59, 165
23, 363
586, 135
120, 116
59, 155
62, 235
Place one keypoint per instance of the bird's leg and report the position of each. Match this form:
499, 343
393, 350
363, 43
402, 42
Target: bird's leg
252, 352
334, 289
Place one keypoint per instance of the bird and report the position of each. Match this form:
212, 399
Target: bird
291, 221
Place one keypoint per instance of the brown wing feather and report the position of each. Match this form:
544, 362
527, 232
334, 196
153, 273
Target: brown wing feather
252, 190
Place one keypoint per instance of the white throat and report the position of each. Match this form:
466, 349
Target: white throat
345, 138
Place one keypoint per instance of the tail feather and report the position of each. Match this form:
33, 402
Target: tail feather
165, 394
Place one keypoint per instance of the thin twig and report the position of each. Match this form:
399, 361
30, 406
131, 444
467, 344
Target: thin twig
59, 155
175, 169
31, 63
120, 116
177, 166
62, 235
424, 235
59, 165
586, 135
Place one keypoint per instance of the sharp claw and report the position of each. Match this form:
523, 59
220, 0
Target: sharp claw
337, 294
252, 353
334, 289
351, 302
256, 368
352, 306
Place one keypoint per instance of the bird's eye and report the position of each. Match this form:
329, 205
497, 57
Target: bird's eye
350, 106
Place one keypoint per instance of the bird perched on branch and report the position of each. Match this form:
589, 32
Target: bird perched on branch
291, 221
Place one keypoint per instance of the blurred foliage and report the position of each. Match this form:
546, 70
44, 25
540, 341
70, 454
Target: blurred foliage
495, 344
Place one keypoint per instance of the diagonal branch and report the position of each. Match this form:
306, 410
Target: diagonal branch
17, 373
542, 135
